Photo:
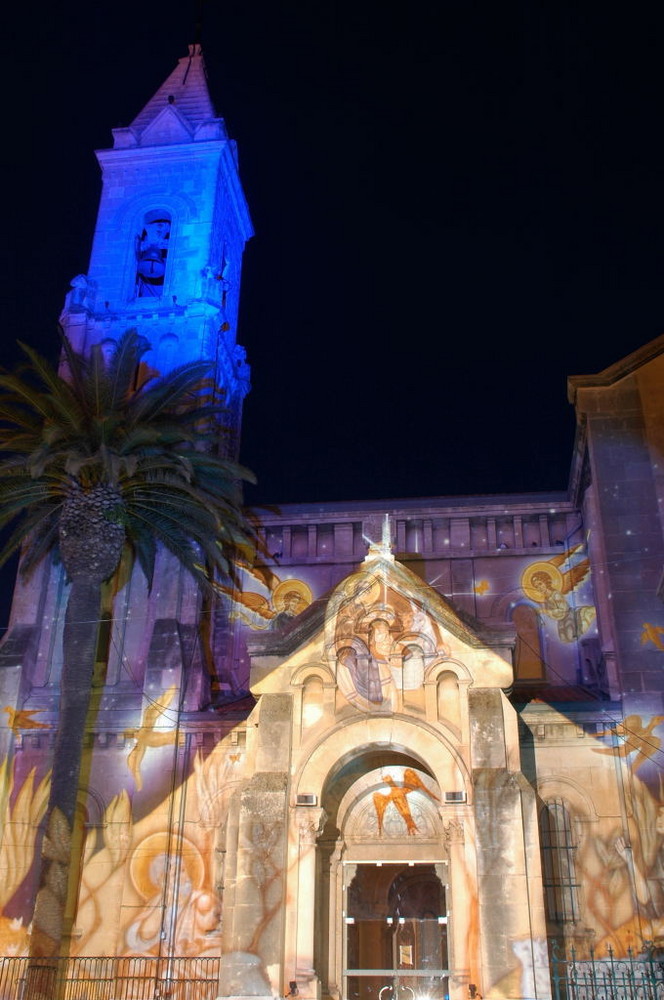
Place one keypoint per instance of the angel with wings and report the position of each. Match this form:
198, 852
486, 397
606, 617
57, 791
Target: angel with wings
549, 582
151, 733
397, 796
634, 736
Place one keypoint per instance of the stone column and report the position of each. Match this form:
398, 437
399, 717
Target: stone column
328, 910
252, 962
510, 926
308, 824
461, 909
345, 873
509, 903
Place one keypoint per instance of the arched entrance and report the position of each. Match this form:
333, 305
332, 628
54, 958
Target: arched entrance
382, 926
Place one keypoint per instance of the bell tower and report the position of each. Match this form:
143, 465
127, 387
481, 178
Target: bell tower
166, 260
171, 229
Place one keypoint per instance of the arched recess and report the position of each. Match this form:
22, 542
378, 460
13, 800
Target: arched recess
314, 688
308, 669
445, 663
529, 663
428, 646
131, 217
396, 932
528, 659
446, 684
576, 794
559, 868
312, 701
448, 702
380, 818
569, 833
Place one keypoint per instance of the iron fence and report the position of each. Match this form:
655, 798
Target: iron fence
98, 978
632, 977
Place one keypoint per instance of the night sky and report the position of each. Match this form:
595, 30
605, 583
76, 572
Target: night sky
456, 205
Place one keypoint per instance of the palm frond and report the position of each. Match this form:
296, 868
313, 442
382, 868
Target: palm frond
29, 532
170, 392
172, 537
73, 366
18, 416
122, 367
97, 383
41, 540
144, 547
62, 397
29, 396
151, 445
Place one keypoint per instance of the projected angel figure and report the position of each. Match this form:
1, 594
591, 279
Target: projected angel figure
397, 796
149, 734
635, 738
547, 584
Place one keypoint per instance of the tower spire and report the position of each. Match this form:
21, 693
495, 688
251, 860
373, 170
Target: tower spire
184, 90
171, 229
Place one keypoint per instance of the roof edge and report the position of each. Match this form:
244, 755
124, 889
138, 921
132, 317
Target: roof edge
616, 371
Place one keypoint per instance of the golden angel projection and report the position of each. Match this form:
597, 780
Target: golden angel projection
654, 634
397, 796
635, 737
285, 600
548, 582
18, 719
149, 734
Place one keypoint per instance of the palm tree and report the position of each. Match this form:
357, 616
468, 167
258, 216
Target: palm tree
100, 458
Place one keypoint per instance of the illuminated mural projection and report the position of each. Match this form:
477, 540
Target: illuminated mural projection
653, 633
152, 732
548, 583
383, 740
275, 606
397, 797
414, 752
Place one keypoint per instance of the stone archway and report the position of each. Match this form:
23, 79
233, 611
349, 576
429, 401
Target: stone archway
383, 830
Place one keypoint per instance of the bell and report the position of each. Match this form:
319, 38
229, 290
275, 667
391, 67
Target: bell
151, 264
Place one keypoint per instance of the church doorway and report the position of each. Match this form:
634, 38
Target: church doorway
395, 932
384, 907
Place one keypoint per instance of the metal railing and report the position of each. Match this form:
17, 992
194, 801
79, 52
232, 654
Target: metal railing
98, 978
632, 977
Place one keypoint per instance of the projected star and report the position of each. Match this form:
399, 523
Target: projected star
24, 719
653, 634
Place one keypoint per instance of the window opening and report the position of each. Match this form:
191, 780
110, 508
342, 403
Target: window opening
151, 253
413, 667
558, 863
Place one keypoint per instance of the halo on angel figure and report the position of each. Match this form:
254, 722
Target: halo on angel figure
149, 862
286, 587
547, 569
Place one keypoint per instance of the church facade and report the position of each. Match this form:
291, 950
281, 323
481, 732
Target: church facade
418, 753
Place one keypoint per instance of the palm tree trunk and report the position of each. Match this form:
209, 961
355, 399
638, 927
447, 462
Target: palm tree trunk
57, 865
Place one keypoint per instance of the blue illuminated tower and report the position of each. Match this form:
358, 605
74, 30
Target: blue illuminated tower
166, 260
171, 229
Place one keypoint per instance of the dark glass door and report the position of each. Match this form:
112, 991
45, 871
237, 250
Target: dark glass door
396, 934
